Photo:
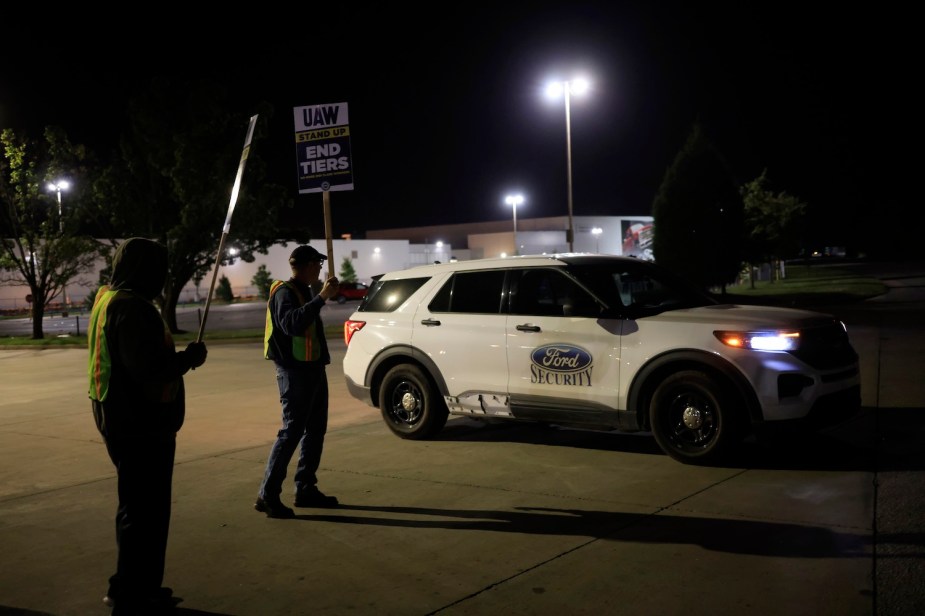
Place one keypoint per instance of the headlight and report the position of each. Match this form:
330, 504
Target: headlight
774, 340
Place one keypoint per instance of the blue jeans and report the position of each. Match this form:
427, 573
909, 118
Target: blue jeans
303, 394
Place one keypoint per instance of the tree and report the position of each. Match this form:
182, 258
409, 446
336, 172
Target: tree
771, 222
172, 180
263, 280
42, 244
697, 215
347, 273
223, 290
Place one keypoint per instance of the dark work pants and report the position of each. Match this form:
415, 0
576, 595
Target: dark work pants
145, 473
303, 395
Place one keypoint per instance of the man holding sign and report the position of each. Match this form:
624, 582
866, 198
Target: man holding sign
294, 339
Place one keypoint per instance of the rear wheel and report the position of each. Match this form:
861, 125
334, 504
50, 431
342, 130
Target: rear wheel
410, 405
691, 417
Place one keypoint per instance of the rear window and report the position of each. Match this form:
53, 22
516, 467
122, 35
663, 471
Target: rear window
387, 295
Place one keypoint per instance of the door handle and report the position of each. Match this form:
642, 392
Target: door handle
430, 322
526, 327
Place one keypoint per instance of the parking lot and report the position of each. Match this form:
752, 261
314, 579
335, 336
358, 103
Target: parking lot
485, 519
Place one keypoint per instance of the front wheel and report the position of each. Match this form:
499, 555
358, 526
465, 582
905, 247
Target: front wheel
410, 405
691, 417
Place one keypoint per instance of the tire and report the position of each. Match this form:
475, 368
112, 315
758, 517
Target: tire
692, 418
409, 403
341, 299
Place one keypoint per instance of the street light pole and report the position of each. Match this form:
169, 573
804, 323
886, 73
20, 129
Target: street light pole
596, 231
568, 164
514, 201
58, 187
567, 88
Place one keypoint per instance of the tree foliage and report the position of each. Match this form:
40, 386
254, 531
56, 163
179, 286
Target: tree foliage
772, 222
347, 272
697, 215
42, 243
223, 289
263, 280
173, 176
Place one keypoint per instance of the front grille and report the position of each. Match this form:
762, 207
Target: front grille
825, 347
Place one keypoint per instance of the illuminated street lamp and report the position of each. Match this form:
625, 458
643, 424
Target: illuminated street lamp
514, 201
553, 90
58, 187
596, 232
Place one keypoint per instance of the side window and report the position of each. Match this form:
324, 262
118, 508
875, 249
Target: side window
546, 292
533, 294
386, 296
470, 292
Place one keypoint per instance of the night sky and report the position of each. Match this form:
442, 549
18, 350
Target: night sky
448, 114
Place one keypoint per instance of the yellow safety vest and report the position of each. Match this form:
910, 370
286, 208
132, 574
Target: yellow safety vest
99, 364
306, 347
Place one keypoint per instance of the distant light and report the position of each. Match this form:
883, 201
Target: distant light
554, 89
377, 250
514, 200
578, 86
232, 251
597, 230
59, 185
439, 244
504, 255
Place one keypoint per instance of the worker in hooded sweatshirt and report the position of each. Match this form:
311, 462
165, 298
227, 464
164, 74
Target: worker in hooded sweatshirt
136, 390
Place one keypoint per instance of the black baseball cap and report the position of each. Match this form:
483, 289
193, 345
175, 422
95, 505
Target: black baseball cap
305, 254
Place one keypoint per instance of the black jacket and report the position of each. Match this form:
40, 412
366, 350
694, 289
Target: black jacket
146, 395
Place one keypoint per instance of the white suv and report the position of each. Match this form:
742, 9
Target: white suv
595, 341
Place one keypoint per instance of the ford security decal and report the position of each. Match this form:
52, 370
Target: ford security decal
561, 364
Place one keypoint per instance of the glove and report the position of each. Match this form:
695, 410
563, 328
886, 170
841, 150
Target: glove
196, 354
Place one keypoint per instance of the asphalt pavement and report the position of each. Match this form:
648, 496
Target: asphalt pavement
484, 519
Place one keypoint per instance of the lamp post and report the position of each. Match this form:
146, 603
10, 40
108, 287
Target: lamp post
514, 201
596, 232
58, 187
567, 88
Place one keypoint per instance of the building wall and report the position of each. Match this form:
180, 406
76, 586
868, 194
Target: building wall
369, 258
385, 250
490, 239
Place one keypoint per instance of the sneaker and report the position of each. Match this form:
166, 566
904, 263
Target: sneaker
273, 509
313, 497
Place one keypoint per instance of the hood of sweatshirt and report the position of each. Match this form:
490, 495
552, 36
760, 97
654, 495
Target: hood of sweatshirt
139, 265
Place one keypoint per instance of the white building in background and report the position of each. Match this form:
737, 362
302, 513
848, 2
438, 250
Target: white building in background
615, 235
386, 250
368, 257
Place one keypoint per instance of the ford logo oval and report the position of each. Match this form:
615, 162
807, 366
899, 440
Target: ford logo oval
561, 357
